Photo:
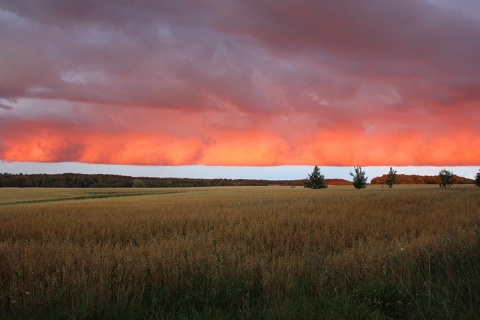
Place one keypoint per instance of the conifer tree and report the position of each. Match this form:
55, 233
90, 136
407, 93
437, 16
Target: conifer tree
391, 177
446, 178
477, 179
359, 178
315, 180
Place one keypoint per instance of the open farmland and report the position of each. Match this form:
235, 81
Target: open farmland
240, 253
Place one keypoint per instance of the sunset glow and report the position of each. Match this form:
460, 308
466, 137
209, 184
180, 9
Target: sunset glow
240, 83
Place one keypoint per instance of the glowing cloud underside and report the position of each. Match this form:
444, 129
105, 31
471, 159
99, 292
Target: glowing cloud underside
240, 83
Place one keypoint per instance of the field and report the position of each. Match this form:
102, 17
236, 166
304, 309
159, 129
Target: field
411, 252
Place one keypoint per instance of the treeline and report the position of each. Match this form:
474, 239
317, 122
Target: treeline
418, 179
66, 180
77, 180
73, 180
338, 182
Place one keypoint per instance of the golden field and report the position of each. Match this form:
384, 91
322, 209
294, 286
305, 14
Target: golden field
235, 252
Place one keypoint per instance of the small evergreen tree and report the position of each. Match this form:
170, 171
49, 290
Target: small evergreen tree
315, 180
446, 178
391, 178
359, 178
477, 179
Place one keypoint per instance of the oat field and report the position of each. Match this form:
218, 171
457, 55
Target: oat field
411, 252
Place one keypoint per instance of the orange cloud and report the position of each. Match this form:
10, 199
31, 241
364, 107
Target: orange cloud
340, 145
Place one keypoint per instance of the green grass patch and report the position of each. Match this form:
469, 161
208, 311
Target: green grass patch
87, 196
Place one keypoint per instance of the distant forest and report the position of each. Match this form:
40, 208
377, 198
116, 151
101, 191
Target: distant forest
76, 180
416, 179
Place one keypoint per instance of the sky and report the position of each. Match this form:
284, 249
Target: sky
214, 88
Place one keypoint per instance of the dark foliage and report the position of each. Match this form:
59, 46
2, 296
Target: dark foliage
391, 177
359, 178
446, 178
65, 180
338, 182
315, 180
77, 180
477, 179
416, 179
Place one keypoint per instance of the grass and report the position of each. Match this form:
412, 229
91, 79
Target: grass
35, 195
411, 252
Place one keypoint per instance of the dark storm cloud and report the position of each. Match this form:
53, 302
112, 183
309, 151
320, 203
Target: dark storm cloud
194, 73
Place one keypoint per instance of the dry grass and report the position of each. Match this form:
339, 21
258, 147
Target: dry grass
247, 245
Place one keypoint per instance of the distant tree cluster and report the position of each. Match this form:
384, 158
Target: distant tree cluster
444, 179
75, 180
65, 180
338, 182
407, 179
315, 180
417, 179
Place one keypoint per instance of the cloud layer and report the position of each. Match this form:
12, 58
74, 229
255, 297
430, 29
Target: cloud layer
240, 82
